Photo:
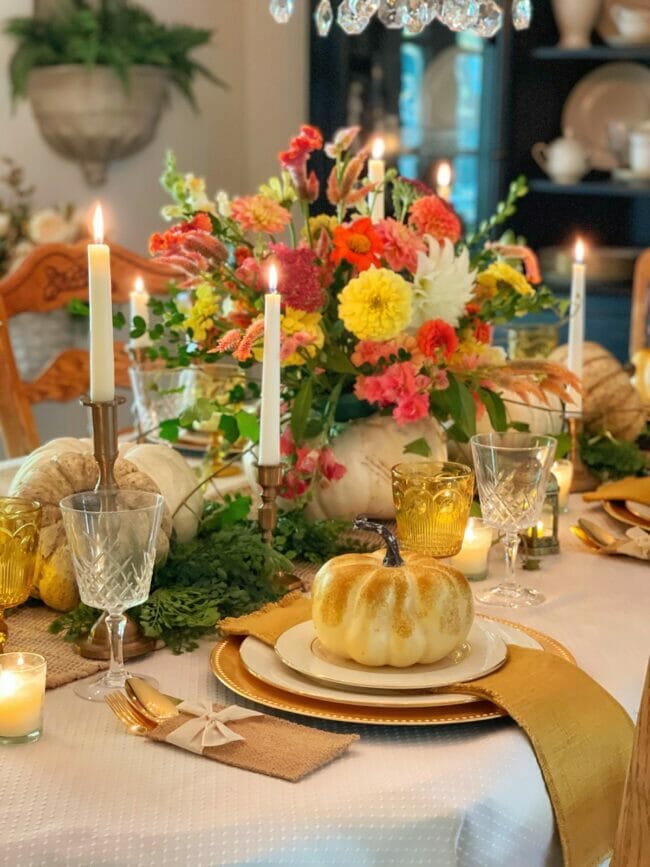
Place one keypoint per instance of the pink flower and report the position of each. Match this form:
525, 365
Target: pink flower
372, 351
440, 380
292, 342
259, 214
331, 469
298, 280
293, 486
401, 245
411, 408
250, 273
252, 334
306, 460
287, 445
397, 382
229, 342
295, 158
343, 139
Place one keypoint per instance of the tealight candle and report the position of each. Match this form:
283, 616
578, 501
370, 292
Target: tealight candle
472, 560
563, 472
22, 689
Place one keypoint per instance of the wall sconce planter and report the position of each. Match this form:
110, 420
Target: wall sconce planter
87, 115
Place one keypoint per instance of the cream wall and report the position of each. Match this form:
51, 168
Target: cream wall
233, 141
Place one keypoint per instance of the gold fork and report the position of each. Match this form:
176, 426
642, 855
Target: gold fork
126, 713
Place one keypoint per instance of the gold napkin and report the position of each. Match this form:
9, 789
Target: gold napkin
630, 488
581, 736
260, 743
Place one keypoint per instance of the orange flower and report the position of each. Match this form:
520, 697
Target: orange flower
431, 215
359, 244
437, 337
259, 214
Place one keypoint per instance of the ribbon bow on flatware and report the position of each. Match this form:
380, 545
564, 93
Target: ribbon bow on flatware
208, 728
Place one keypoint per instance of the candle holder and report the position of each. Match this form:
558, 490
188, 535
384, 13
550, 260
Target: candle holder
583, 479
105, 449
543, 538
269, 477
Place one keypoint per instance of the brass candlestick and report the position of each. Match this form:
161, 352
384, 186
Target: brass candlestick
583, 479
104, 424
269, 477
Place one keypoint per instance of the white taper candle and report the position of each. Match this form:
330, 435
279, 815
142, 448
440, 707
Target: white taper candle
377, 175
577, 319
269, 451
102, 358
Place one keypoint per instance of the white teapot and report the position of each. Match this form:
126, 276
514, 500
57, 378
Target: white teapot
564, 160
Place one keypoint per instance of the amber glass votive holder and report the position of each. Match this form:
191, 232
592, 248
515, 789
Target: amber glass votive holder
22, 690
432, 501
20, 527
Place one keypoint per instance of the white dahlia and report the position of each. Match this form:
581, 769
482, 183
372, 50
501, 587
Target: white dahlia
443, 283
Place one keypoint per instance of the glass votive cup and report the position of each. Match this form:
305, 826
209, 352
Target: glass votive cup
472, 559
432, 501
563, 471
22, 691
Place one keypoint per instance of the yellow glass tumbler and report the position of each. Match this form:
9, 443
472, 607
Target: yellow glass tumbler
20, 526
432, 502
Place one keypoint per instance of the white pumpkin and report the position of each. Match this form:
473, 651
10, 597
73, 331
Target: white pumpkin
610, 401
387, 611
369, 448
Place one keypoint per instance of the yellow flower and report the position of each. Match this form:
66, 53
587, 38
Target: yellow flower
300, 322
321, 223
199, 318
376, 305
500, 272
280, 190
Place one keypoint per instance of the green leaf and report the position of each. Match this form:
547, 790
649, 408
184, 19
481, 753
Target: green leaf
520, 426
169, 430
77, 307
118, 320
495, 408
229, 427
418, 447
563, 447
248, 425
338, 362
300, 411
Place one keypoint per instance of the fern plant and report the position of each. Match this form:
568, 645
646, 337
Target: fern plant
118, 34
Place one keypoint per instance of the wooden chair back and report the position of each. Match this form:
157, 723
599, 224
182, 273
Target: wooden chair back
640, 303
632, 847
50, 277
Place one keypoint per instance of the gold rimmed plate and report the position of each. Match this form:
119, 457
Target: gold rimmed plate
482, 652
618, 510
227, 665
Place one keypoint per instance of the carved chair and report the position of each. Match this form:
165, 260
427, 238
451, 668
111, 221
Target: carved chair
640, 315
632, 847
50, 277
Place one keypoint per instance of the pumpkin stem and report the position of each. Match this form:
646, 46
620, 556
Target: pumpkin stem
393, 556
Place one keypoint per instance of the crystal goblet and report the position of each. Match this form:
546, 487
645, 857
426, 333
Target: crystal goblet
20, 525
112, 539
512, 473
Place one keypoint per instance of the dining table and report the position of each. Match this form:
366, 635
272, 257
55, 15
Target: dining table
456, 795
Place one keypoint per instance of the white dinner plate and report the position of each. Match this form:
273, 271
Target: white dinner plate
299, 648
612, 92
640, 510
262, 662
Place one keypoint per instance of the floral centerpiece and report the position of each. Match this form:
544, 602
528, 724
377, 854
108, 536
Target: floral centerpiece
389, 319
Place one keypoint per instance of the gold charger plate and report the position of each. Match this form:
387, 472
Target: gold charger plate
619, 511
227, 666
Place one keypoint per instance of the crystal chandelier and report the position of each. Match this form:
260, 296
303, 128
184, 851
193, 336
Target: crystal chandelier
483, 17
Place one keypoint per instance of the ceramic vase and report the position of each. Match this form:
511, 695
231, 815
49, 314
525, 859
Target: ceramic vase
576, 20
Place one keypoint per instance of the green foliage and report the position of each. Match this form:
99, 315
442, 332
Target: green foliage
609, 458
118, 34
76, 624
418, 447
314, 541
506, 209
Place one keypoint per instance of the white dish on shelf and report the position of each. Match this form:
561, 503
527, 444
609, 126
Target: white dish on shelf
482, 652
263, 663
612, 92
618, 40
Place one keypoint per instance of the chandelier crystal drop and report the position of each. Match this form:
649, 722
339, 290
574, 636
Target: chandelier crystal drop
482, 17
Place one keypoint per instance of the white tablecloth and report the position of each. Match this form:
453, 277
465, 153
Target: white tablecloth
89, 794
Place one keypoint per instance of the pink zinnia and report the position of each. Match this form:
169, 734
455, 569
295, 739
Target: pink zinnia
411, 408
401, 245
298, 281
259, 214
372, 352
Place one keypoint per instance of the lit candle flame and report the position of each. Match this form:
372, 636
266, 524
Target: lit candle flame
139, 284
540, 528
470, 535
378, 148
579, 255
98, 225
8, 684
443, 174
273, 278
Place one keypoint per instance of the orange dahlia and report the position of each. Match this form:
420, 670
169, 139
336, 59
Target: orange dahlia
259, 214
359, 244
431, 215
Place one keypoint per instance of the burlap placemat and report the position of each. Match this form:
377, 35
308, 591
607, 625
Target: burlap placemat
28, 632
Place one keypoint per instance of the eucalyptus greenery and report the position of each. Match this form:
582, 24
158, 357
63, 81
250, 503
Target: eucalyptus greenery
117, 33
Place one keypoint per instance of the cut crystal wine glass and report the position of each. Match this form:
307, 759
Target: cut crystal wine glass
112, 539
512, 473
